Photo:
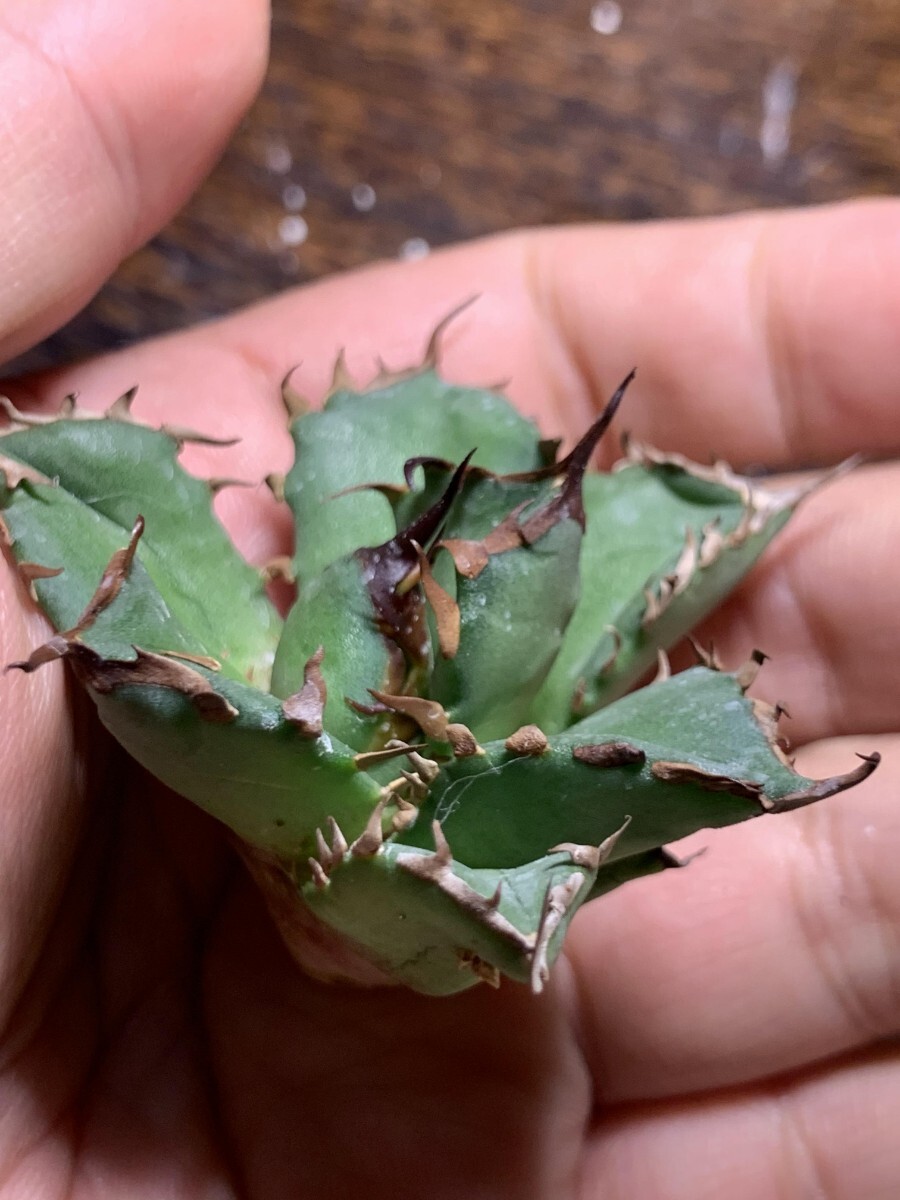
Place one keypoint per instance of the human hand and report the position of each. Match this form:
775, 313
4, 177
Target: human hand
724, 1029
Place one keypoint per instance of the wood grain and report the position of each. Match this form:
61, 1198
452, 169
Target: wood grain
389, 126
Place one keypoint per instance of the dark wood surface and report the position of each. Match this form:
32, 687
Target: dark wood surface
389, 126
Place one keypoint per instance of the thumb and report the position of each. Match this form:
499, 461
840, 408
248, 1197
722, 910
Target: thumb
112, 114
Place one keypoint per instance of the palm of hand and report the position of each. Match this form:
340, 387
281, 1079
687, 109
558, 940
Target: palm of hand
166, 1045
704, 1032
718, 1031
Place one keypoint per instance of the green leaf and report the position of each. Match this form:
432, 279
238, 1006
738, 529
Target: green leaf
516, 598
503, 809
362, 438
107, 472
256, 773
642, 522
334, 611
439, 928
512, 619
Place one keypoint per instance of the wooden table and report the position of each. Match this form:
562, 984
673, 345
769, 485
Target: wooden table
387, 127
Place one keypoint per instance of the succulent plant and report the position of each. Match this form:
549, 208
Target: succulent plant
448, 745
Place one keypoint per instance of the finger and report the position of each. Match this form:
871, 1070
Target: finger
110, 123
806, 605
775, 949
765, 338
831, 1133
44, 780
822, 604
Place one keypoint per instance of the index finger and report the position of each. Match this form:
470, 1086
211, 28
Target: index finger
763, 338
90, 166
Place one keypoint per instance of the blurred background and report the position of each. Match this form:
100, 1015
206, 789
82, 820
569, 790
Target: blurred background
387, 128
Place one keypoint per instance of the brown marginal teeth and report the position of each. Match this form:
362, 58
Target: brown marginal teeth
609, 754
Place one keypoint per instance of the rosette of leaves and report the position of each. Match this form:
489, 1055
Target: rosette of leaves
442, 751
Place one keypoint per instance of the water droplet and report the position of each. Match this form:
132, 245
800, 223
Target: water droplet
779, 96
363, 197
293, 230
279, 159
606, 17
414, 248
294, 197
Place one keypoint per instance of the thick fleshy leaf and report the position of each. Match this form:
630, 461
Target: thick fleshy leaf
372, 629
255, 772
512, 618
106, 473
665, 541
429, 921
334, 611
363, 438
391, 846
515, 593
692, 752
234, 750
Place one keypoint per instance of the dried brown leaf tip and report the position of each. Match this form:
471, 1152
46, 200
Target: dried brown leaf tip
567, 504
389, 568
823, 788
305, 708
471, 556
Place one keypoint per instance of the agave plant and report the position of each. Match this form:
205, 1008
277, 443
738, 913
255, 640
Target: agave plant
442, 752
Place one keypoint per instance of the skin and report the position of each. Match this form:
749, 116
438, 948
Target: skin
730, 1029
